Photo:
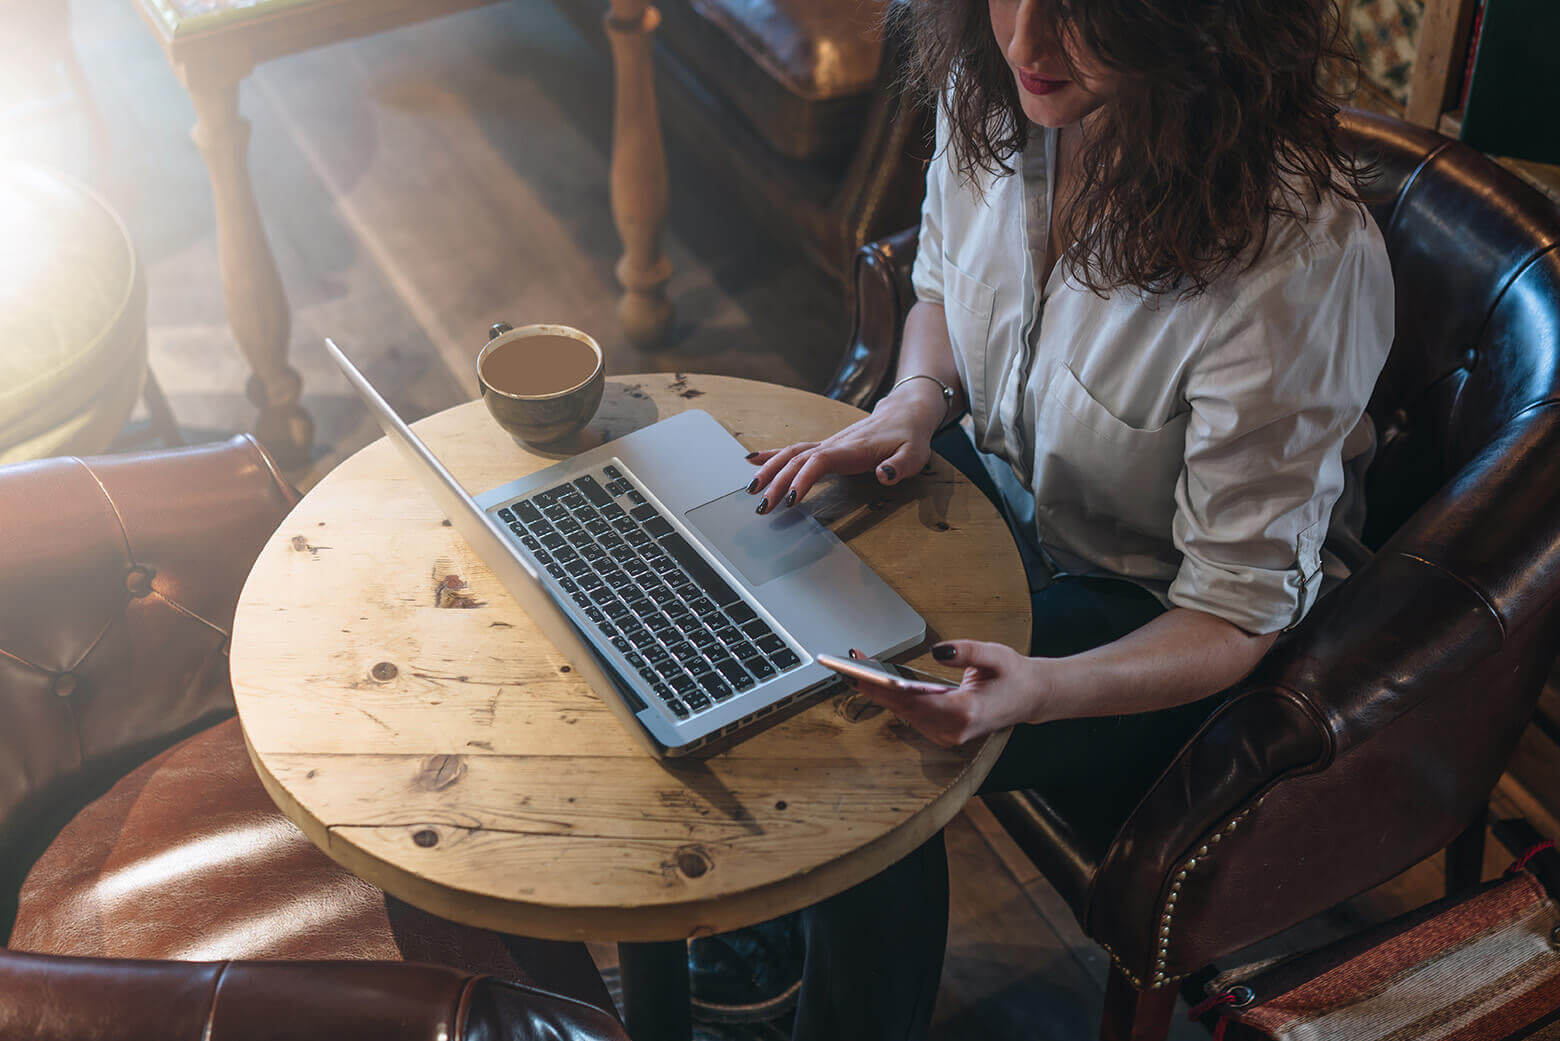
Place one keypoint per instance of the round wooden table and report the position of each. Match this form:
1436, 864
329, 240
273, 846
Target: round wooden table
403, 711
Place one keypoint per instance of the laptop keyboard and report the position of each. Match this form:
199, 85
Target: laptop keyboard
672, 616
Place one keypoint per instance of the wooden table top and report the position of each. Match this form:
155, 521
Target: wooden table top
401, 708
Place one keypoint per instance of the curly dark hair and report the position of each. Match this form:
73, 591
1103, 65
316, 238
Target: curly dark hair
1223, 121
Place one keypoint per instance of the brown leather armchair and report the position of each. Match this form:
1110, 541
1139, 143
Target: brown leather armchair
1372, 733
167, 898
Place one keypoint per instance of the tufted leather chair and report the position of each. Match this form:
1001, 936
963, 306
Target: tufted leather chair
1371, 734
166, 897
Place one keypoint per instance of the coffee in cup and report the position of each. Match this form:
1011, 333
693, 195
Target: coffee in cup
542, 383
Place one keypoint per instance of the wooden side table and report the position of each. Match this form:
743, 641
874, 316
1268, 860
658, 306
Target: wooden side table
214, 44
402, 709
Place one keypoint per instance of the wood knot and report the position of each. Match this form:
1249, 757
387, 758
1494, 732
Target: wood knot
425, 837
384, 671
692, 861
451, 592
440, 771
855, 707
780, 805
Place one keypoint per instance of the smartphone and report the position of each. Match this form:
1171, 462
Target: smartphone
900, 677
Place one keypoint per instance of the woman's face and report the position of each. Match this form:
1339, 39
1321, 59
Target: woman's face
1049, 92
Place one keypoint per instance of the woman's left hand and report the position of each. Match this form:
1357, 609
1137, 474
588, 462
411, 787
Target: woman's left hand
1000, 688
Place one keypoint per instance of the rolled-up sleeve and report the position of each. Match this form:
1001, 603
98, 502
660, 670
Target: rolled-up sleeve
926, 274
1281, 382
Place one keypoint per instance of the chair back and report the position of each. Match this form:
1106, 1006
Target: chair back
1477, 271
119, 576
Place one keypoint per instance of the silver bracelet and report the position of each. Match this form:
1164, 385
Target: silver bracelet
947, 394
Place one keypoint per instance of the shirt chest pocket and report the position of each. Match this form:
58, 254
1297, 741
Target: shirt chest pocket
968, 304
1091, 466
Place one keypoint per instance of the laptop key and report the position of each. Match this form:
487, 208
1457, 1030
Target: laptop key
622, 644
517, 529
615, 610
740, 612
682, 650
555, 513
555, 571
594, 554
716, 687
756, 628
677, 611
589, 580
700, 668
565, 553
613, 472
635, 498
540, 528
668, 668
577, 567
662, 691
582, 599
617, 579
568, 586
658, 526
595, 615
624, 524
603, 596
592, 490
735, 674
526, 513
771, 644
656, 654
552, 541
643, 513
633, 658
701, 638
683, 684
785, 659
619, 486
612, 512
697, 700
678, 708
715, 587
544, 498
703, 605
597, 527
657, 622
650, 675
759, 667
637, 538
745, 650
505, 516
529, 543
642, 607
542, 556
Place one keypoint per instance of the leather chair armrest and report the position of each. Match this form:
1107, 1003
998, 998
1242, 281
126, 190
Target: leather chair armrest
883, 298
1366, 739
47, 998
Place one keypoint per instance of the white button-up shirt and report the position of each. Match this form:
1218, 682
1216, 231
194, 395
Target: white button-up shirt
1200, 446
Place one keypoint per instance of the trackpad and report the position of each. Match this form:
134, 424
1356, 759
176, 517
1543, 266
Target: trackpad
761, 548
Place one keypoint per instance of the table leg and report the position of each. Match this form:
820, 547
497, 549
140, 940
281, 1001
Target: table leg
655, 991
638, 175
257, 307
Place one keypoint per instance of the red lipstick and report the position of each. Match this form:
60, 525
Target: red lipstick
1039, 84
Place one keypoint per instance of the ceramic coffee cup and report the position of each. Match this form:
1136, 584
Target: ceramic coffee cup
541, 419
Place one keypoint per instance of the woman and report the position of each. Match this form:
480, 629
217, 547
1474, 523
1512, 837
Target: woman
1144, 272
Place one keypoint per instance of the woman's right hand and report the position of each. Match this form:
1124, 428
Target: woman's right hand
895, 441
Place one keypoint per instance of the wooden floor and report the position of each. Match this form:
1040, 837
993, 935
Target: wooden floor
418, 186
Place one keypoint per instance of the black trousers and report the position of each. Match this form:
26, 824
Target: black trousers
875, 952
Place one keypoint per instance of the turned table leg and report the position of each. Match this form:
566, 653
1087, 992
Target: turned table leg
257, 307
638, 175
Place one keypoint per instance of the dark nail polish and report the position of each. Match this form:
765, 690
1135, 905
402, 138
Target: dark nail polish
751, 456
944, 651
763, 506
854, 653
753, 486
790, 497
888, 471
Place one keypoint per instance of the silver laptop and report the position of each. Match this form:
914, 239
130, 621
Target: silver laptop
645, 564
